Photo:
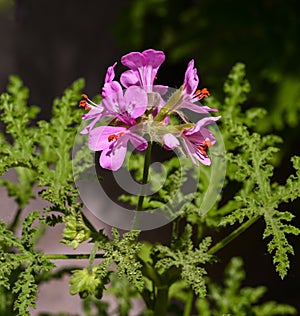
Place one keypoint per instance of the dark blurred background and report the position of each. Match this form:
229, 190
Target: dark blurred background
49, 44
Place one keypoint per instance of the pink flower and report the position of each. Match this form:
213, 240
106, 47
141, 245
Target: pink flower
143, 68
195, 140
190, 92
112, 140
126, 108
97, 111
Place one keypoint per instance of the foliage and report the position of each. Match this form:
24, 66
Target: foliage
250, 165
129, 267
233, 299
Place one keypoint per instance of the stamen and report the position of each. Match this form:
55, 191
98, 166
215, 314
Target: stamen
204, 146
200, 94
84, 104
87, 99
115, 136
208, 142
112, 137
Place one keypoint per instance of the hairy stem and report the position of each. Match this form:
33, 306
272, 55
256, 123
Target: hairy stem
145, 176
221, 244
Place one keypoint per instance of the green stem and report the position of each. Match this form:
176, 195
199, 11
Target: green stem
232, 236
161, 302
58, 256
145, 176
188, 304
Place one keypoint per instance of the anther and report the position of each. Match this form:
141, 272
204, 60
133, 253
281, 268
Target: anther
204, 146
115, 136
112, 137
200, 94
84, 104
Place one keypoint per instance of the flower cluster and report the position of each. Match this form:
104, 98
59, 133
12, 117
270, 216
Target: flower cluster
136, 107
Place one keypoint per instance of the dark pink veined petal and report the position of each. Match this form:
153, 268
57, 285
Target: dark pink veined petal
135, 101
99, 136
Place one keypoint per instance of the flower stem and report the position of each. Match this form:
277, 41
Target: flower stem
145, 176
232, 236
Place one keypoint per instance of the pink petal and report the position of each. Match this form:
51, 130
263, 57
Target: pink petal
129, 78
201, 123
191, 79
89, 127
205, 160
113, 158
111, 88
137, 141
133, 60
110, 73
154, 57
196, 108
98, 137
170, 141
136, 101
190, 151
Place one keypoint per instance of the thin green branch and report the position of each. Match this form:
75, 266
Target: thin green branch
58, 256
221, 244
